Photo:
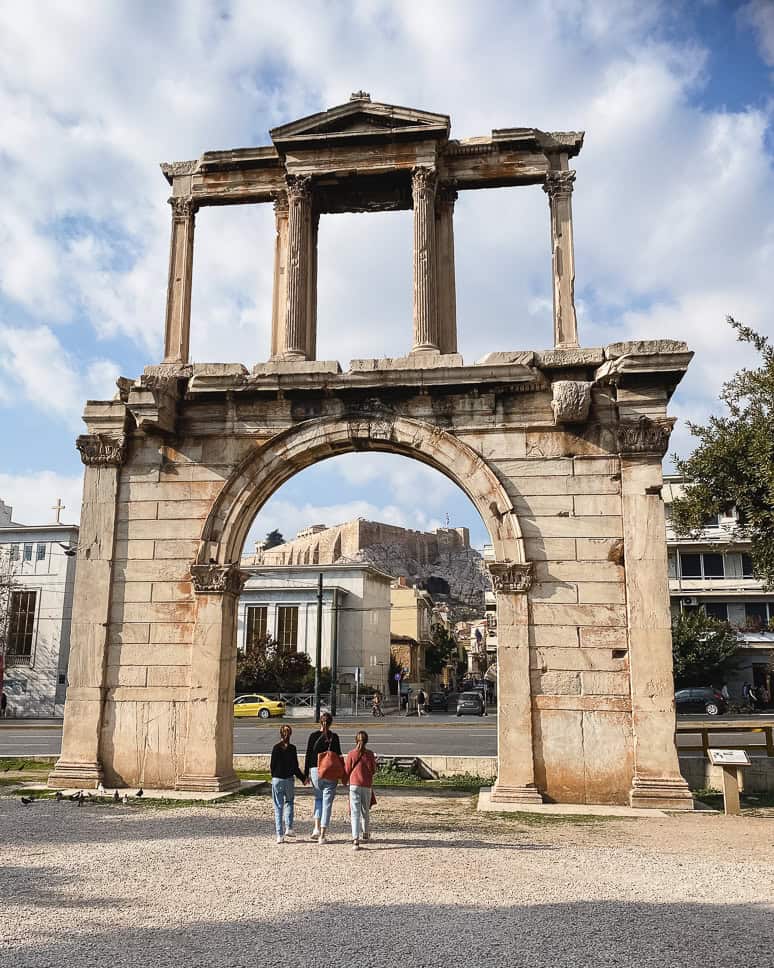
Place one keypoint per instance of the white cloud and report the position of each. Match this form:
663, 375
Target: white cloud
759, 14
33, 496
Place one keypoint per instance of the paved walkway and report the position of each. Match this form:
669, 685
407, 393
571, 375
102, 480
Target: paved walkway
439, 886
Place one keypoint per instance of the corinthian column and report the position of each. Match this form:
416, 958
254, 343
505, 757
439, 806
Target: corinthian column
446, 196
178, 323
311, 294
279, 305
299, 229
558, 187
426, 336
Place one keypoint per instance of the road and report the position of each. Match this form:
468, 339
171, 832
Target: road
392, 736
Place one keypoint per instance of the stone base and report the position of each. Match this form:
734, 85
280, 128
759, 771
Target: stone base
515, 794
661, 793
207, 784
83, 776
417, 360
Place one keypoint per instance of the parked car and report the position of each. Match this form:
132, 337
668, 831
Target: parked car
704, 700
258, 706
439, 702
470, 704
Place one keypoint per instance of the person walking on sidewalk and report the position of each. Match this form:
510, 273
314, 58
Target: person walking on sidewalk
284, 770
421, 702
361, 767
324, 741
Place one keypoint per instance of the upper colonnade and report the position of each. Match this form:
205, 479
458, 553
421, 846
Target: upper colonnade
364, 156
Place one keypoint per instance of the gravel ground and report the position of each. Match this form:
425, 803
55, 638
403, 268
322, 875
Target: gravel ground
440, 885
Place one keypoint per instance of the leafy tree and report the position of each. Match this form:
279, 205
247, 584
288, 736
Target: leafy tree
733, 463
264, 668
703, 649
442, 650
273, 538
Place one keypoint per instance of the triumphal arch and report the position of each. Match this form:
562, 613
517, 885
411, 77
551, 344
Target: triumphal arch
559, 449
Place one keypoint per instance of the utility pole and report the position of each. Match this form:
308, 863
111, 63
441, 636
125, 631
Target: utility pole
335, 652
318, 650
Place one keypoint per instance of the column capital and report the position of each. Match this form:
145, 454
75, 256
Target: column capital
644, 436
510, 577
102, 450
423, 179
299, 187
446, 195
559, 184
214, 579
280, 203
183, 206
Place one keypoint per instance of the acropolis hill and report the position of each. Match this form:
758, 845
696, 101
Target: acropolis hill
420, 555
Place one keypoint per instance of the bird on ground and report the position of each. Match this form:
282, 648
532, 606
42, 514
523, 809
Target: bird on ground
116, 797
125, 799
140, 793
27, 800
80, 801
59, 795
101, 789
76, 796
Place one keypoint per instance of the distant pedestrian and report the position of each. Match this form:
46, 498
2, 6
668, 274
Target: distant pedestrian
746, 692
752, 698
361, 768
764, 696
316, 769
724, 691
284, 770
421, 699
3, 706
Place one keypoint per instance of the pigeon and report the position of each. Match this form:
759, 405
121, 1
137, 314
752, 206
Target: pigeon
59, 795
125, 799
140, 793
101, 789
116, 797
27, 800
76, 796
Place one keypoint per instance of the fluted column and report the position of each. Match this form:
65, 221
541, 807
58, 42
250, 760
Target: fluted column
299, 229
558, 187
279, 306
311, 295
178, 322
426, 336
446, 196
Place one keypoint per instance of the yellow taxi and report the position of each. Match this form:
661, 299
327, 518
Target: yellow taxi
254, 705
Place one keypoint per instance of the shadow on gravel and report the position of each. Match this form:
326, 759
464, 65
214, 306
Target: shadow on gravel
573, 934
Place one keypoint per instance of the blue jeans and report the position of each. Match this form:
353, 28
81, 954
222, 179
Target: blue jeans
360, 808
324, 792
282, 794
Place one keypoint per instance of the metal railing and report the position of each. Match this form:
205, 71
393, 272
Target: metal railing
704, 730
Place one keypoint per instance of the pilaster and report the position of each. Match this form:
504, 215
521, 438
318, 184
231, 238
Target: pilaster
446, 196
177, 332
657, 779
279, 307
515, 759
558, 186
209, 755
426, 335
79, 763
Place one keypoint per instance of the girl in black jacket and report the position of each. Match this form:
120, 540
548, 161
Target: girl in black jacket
284, 770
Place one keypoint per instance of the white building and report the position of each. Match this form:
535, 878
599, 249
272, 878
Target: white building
483, 632
712, 571
281, 601
41, 561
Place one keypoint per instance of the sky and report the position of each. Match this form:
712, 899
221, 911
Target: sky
673, 202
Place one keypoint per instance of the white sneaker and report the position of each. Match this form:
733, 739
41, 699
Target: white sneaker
290, 833
322, 839
355, 845
280, 840
314, 835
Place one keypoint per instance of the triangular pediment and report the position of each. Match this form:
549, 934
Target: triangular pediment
361, 117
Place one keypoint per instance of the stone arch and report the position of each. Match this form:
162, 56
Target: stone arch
270, 465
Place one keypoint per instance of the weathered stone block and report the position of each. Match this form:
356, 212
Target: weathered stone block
591, 504
605, 683
169, 591
543, 505
595, 571
176, 549
601, 593
576, 660
554, 549
590, 549
603, 638
575, 527
594, 615
191, 509
553, 591
555, 683
599, 466
553, 636
129, 632
168, 675
126, 675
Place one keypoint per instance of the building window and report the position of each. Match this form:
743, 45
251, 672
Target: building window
718, 610
41, 552
701, 566
756, 615
287, 627
255, 637
21, 623
28, 552
747, 566
14, 552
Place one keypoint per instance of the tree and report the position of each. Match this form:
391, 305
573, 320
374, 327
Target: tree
442, 650
8, 584
273, 538
733, 463
703, 649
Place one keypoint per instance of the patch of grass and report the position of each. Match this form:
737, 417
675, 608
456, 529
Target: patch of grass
17, 765
462, 783
254, 775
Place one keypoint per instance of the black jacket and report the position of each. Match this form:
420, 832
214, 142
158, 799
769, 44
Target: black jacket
319, 744
284, 762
